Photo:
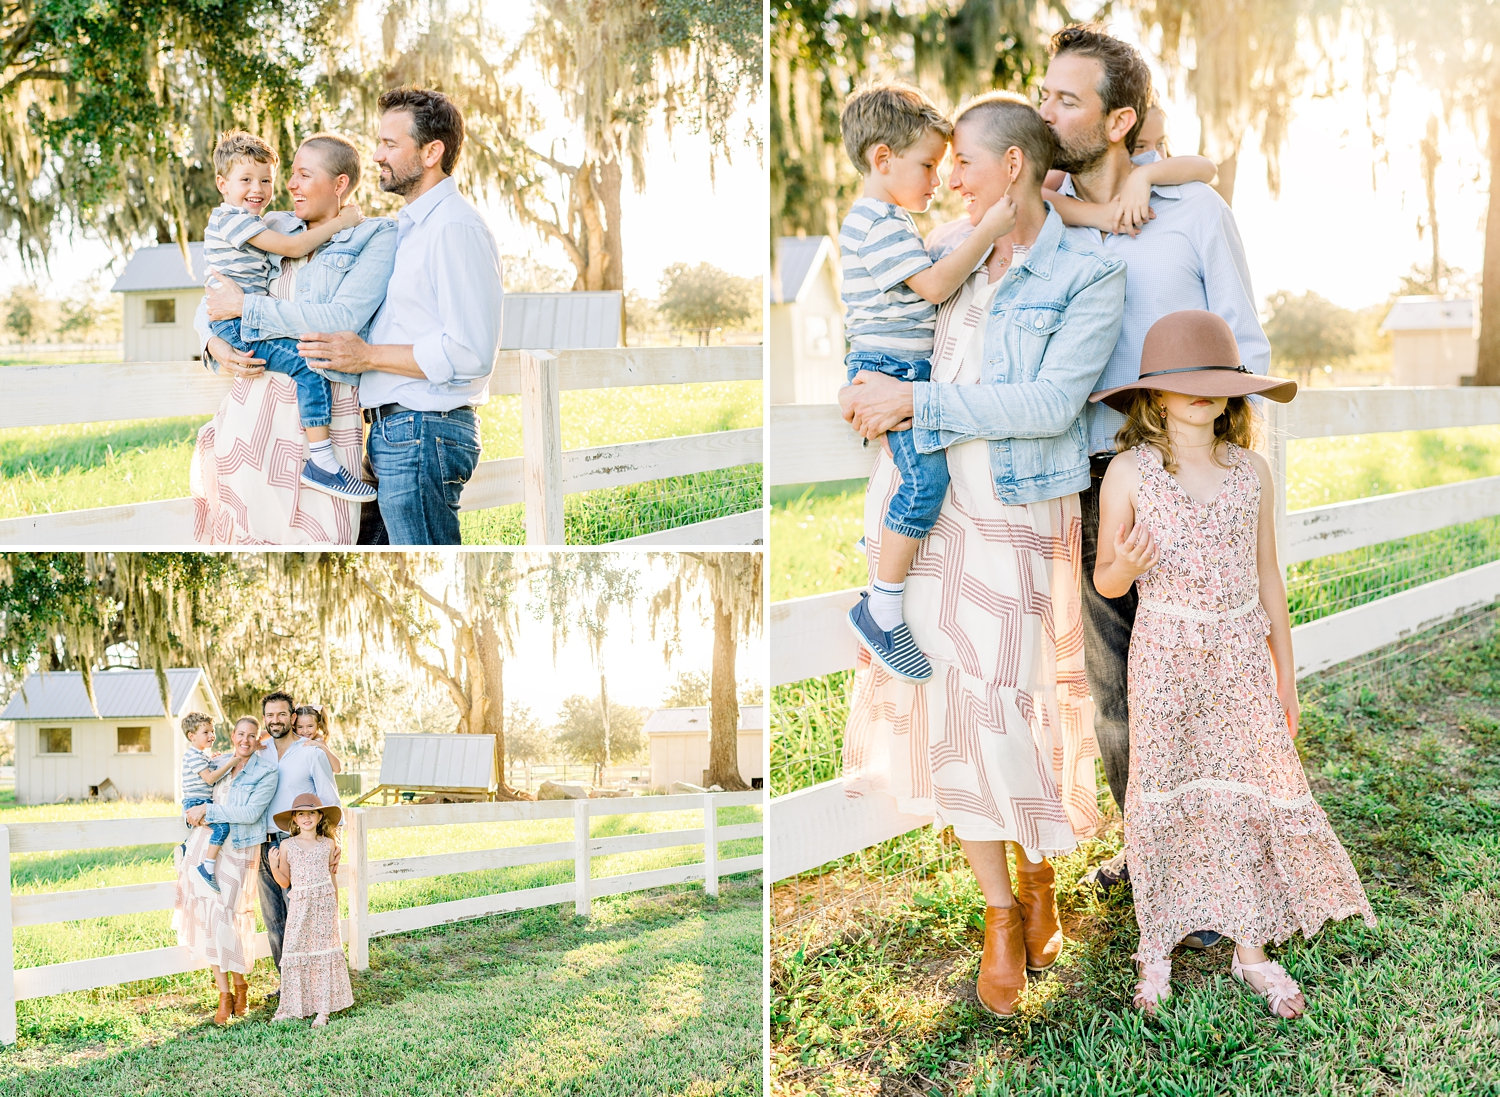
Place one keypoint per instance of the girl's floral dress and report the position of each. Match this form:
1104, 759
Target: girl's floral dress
1221, 830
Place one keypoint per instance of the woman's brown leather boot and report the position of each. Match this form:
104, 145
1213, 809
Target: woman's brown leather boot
226, 1008
1038, 904
1002, 965
241, 997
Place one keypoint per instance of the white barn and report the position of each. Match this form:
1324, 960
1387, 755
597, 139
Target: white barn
64, 749
807, 323
1434, 341
161, 295
678, 739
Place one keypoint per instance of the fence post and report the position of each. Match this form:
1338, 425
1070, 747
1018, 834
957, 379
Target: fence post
581, 861
541, 448
1276, 440
710, 845
7, 948
359, 897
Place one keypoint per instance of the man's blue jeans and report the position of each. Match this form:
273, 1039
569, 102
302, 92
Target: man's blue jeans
914, 507
314, 393
421, 461
272, 902
1106, 649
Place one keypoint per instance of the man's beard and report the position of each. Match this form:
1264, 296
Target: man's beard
399, 183
278, 731
1082, 154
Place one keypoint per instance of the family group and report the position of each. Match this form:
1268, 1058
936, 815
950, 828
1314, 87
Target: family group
1070, 537
329, 321
264, 817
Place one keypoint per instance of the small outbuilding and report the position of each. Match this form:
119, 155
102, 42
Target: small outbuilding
807, 323
1434, 341
678, 739
160, 295
67, 750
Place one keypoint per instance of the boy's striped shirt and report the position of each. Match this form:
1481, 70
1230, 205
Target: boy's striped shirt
879, 249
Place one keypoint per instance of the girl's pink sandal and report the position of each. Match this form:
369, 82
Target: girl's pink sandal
1280, 988
1154, 986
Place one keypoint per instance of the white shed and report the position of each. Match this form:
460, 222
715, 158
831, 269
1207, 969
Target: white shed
679, 744
65, 749
1433, 341
160, 296
807, 323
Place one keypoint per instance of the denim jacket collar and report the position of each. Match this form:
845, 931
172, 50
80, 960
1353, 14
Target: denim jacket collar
1043, 250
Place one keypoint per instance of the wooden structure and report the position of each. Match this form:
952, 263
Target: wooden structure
160, 295
357, 872
1434, 341
807, 322
129, 746
539, 478
442, 768
678, 740
810, 637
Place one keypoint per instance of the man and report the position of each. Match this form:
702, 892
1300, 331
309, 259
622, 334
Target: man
1094, 100
432, 345
302, 767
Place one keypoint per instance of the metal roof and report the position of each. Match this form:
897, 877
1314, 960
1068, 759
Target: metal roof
59, 695
1427, 313
801, 257
576, 320
159, 267
688, 721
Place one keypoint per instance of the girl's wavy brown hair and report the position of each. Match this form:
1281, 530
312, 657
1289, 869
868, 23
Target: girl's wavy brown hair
325, 827
1143, 426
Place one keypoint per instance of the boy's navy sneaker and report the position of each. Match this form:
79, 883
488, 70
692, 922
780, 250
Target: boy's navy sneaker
338, 484
894, 650
208, 878
1202, 938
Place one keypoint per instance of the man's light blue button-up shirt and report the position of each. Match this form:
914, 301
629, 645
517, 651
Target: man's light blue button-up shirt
443, 300
303, 768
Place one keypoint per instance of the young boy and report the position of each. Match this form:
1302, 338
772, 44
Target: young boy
198, 777
897, 138
238, 243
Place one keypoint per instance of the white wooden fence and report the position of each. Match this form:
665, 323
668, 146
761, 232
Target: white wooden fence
539, 478
811, 638
357, 872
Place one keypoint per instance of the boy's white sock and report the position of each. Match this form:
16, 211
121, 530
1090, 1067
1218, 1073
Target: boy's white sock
885, 603
323, 455
210, 863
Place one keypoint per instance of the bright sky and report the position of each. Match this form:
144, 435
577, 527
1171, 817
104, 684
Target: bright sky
683, 216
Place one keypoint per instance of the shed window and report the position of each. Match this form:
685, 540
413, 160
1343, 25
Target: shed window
54, 740
161, 310
133, 740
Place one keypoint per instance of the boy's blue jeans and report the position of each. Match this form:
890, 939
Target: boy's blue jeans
314, 393
924, 476
218, 833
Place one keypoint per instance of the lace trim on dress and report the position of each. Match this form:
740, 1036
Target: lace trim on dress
285, 956
1172, 609
1225, 786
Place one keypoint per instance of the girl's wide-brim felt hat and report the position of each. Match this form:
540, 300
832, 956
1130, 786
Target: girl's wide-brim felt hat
1194, 353
307, 801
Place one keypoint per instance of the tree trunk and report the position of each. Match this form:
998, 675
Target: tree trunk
1488, 369
611, 179
491, 669
604, 723
724, 708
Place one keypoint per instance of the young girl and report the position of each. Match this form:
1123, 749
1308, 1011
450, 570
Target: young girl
309, 723
1221, 831
314, 974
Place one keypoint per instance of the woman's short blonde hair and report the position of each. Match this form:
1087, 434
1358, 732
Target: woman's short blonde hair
1011, 122
338, 155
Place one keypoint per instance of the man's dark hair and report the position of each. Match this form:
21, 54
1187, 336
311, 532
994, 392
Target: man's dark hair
1126, 81
277, 696
434, 117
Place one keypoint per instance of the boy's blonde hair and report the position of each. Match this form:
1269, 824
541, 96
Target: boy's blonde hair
191, 721
1145, 425
889, 114
236, 145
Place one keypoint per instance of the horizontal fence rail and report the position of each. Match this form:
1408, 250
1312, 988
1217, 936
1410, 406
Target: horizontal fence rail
812, 638
539, 478
357, 871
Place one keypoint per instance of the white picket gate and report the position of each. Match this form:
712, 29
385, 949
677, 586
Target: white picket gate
810, 637
357, 872
539, 478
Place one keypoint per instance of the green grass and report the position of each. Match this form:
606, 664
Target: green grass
41, 357
51, 469
1410, 777
655, 994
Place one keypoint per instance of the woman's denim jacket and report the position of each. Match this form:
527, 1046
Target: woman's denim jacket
340, 289
1052, 326
244, 806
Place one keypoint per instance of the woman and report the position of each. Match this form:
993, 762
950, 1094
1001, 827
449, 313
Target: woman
244, 480
998, 743
218, 926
